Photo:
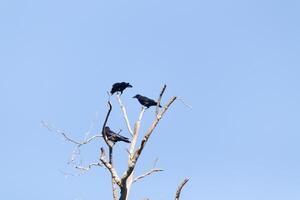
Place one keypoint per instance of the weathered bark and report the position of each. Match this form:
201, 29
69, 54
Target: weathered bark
113, 182
127, 182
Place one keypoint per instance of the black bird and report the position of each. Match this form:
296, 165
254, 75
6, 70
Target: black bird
145, 101
114, 137
119, 87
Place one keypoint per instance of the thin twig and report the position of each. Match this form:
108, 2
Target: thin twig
153, 170
92, 125
184, 103
88, 167
68, 138
147, 174
90, 139
177, 196
74, 154
155, 162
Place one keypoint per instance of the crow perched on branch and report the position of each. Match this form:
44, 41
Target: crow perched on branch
114, 137
119, 87
145, 101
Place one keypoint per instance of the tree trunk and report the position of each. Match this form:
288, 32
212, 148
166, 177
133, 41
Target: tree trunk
125, 189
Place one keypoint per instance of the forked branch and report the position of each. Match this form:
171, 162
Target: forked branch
146, 138
132, 163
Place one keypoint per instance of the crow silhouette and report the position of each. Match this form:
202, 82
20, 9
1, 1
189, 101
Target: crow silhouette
114, 137
119, 87
145, 101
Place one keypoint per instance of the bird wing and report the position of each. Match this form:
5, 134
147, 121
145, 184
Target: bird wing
149, 101
115, 88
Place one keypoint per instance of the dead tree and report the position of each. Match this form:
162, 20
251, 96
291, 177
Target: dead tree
124, 183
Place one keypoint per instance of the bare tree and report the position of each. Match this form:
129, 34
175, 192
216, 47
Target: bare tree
124, 182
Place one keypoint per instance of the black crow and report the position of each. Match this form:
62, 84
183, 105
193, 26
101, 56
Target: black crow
114, 137
119, 87
145, 101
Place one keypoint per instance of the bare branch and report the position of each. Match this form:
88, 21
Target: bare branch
78, 144
92, 125
87, 168
75, 153
51, 129
127, 179
184, 103
136, 133
177, 196
134, 158
146, 137
114, 189
110, 167
91, 138
113, 182
104, 124
147, 174
68, 138
155, 162
153, 170
159, 98
125, 116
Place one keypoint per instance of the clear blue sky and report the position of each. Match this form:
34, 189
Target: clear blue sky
236, 62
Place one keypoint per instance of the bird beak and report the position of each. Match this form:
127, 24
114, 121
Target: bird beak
129, 85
